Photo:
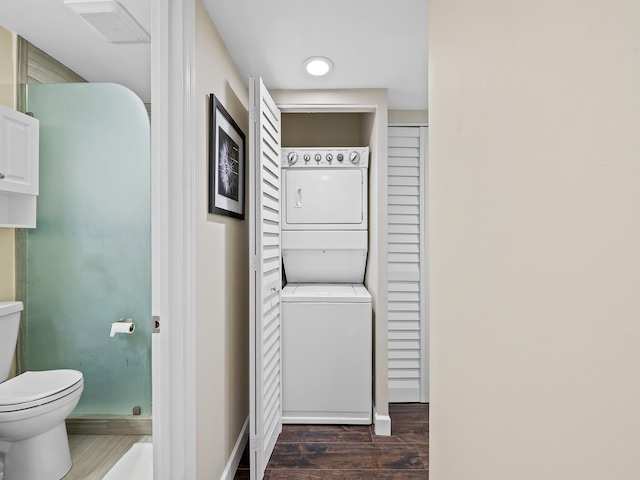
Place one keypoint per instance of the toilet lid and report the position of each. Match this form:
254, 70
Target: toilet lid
35, 388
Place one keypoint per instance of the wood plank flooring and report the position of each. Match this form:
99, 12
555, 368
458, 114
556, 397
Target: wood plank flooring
353, 452
94, 455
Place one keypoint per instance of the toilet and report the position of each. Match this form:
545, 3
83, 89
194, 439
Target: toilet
33, 409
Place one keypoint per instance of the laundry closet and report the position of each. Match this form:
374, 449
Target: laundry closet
317, 358
326, 309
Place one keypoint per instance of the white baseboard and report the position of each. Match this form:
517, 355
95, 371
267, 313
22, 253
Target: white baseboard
382, 423
236, 454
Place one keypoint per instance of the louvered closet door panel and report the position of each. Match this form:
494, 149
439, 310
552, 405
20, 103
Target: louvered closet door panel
407, 265
265, 368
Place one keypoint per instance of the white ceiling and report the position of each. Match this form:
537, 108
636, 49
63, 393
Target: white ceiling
61, 33
373, 43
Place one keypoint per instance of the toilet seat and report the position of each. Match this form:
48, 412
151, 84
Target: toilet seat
32, 389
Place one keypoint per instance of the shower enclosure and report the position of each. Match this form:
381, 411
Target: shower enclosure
88, 261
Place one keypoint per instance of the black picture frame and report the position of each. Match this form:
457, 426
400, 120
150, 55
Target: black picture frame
226, 163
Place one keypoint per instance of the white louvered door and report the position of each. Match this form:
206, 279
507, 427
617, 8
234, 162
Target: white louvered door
265, 285
407, 265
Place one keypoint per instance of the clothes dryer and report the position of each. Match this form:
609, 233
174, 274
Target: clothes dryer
325, 188
325, 214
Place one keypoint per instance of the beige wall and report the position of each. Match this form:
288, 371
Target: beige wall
408, 116
222, 272
7, 72
7, 98
7, 264
321, 129
535, 265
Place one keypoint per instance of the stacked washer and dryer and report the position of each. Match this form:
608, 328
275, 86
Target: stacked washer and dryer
326, 310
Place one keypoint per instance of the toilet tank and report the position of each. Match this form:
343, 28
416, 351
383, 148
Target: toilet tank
9, 325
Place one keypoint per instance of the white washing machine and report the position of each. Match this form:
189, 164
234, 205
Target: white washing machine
326, 354
326, 311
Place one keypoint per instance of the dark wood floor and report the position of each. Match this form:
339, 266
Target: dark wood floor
353, 452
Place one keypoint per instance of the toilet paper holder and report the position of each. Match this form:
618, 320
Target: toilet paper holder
124, 325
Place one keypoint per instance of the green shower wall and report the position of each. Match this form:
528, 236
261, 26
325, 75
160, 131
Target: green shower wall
89, 257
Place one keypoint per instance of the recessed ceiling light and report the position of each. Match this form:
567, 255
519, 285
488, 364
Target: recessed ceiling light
318, 66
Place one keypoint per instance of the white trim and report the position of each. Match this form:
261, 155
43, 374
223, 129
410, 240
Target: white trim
325, 108
236, 454
409, 124
382, 423
173, 238
424, 266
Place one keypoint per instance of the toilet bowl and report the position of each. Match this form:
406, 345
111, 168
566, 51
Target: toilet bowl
33, 409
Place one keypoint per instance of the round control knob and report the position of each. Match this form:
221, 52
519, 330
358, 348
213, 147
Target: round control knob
292, 157
318, 157
340, 157
354, 157
307, 157
329, 157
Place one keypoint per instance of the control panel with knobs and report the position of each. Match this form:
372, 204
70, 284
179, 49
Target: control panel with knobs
340, 157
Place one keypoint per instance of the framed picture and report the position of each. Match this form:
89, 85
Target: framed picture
226, 163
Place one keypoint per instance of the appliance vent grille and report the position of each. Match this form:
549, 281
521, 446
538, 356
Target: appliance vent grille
111, 19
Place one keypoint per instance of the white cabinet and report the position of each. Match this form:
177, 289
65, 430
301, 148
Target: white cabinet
19, 150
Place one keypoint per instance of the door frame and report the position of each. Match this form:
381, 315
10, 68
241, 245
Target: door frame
372, 101
173, 238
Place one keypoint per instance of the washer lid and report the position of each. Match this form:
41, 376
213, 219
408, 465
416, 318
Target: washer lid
325, 293
35, 388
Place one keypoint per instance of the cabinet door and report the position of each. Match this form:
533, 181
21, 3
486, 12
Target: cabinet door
407, 265
264, 219
19, 143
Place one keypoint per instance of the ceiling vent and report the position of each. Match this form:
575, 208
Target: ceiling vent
111, 19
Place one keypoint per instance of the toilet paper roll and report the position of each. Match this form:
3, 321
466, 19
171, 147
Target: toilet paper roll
122, 327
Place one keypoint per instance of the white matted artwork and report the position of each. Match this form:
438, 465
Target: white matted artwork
226, 163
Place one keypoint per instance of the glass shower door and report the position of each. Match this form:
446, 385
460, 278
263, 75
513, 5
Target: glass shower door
88, 261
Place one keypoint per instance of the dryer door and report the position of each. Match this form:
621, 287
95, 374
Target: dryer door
325, 198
